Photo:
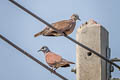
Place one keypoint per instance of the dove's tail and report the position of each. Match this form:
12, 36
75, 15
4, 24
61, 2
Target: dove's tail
39, 33
68, 64
71, 62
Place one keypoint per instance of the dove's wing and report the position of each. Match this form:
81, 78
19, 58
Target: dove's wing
66, 26
60, 25
56, 61
63, 25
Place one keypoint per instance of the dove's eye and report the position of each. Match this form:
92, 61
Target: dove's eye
44, 48
75, 16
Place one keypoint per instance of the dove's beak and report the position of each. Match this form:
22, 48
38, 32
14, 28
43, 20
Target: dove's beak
39, 50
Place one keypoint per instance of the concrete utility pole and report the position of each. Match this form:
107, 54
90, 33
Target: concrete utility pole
88, 65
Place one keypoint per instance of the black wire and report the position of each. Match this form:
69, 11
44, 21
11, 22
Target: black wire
49, 25
31, 57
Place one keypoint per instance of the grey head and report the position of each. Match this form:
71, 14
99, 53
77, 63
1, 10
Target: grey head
44, 49
75, 17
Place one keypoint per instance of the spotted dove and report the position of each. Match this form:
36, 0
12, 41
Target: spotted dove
65, 26
54, 60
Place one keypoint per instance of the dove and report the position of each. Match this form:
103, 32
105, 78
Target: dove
54, 60
65, 26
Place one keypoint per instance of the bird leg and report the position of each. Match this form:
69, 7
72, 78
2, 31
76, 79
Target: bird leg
54, 67
64, 34
53, 70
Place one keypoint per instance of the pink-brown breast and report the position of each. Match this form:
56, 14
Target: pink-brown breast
52, 58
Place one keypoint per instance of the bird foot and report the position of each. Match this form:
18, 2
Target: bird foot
53, 71
64, 34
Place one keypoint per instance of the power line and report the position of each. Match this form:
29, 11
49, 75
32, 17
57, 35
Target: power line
31, 57
73, 40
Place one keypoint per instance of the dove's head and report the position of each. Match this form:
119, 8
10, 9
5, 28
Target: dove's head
75, 17
44, 49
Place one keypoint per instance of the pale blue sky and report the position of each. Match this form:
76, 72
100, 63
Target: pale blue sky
20, 27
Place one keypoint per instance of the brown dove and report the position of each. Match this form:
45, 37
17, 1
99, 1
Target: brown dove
66, 26
54, 60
